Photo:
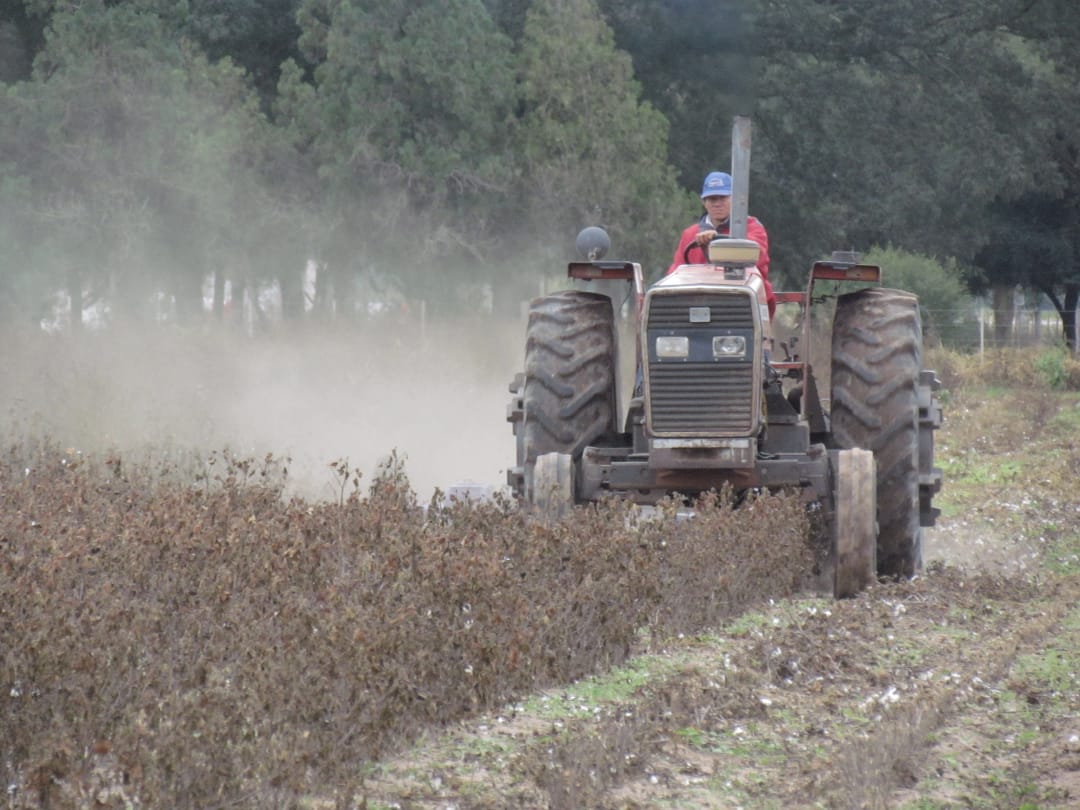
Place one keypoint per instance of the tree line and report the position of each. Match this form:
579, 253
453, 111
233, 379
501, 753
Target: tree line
435, 147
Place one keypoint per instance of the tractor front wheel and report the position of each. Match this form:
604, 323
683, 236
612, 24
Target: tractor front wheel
854, 529
553, 486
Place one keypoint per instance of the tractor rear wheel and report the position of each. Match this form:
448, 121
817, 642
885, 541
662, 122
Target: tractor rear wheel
569, 396
876, 358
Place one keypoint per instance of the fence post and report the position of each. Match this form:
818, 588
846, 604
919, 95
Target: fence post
982, 328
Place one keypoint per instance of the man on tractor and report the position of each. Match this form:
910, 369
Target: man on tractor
716, 221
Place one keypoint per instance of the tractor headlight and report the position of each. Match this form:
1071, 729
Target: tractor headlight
670, 347
729, 347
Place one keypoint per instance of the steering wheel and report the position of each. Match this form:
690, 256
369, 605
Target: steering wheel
691, 246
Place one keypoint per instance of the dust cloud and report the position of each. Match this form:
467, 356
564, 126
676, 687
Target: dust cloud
436, 396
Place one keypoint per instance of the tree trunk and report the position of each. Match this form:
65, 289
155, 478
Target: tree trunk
1066, 310
1068, 314
1004, 298
345, 296
236, 303
219, 295
323, 303
187, 291
292, 294
75, 293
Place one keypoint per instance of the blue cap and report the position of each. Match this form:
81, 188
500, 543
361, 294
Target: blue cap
717, 184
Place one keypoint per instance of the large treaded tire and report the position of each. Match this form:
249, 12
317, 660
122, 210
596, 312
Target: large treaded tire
876, 359
569, 397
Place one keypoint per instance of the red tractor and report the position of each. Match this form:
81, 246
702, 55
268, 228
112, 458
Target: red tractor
714, 402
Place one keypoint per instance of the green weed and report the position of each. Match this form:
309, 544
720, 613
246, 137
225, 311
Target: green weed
1053, 669
693, 736
748, 624
1063, 556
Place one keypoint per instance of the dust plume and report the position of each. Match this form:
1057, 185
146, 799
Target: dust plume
436, 396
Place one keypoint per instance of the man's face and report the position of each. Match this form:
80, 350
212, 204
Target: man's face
718, 207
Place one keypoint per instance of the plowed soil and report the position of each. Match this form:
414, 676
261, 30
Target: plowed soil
956, 689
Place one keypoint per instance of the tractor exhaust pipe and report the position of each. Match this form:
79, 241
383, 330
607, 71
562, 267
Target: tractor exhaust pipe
740, 176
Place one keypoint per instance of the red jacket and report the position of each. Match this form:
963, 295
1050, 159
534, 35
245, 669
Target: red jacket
754, 230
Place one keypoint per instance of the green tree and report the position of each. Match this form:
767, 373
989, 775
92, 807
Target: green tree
22, 295
407, 119
902, 129
1034, 237
132, 146
257, 35
22, 35
905, 122
696, 63
590, 150
1037, 245
509, 16
943, 296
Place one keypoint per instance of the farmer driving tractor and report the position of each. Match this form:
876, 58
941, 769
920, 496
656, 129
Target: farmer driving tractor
716, 221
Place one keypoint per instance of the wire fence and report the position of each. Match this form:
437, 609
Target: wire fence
977, 329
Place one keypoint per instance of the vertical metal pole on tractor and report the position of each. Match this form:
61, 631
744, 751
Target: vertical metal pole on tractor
740, 176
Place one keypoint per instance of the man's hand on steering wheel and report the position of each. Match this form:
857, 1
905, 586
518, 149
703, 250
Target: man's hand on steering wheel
699, 241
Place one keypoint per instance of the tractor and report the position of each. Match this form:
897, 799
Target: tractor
723, 395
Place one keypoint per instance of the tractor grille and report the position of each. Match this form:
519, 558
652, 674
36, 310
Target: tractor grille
673, 311
701, 398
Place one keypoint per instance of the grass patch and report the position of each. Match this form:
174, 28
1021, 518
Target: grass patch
590, 694
1063, 555
978, 471
1053, 671
750, 624
902, 652
740, 741
1067, 419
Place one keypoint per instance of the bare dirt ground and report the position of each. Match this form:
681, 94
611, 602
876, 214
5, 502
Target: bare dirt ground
958, 689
